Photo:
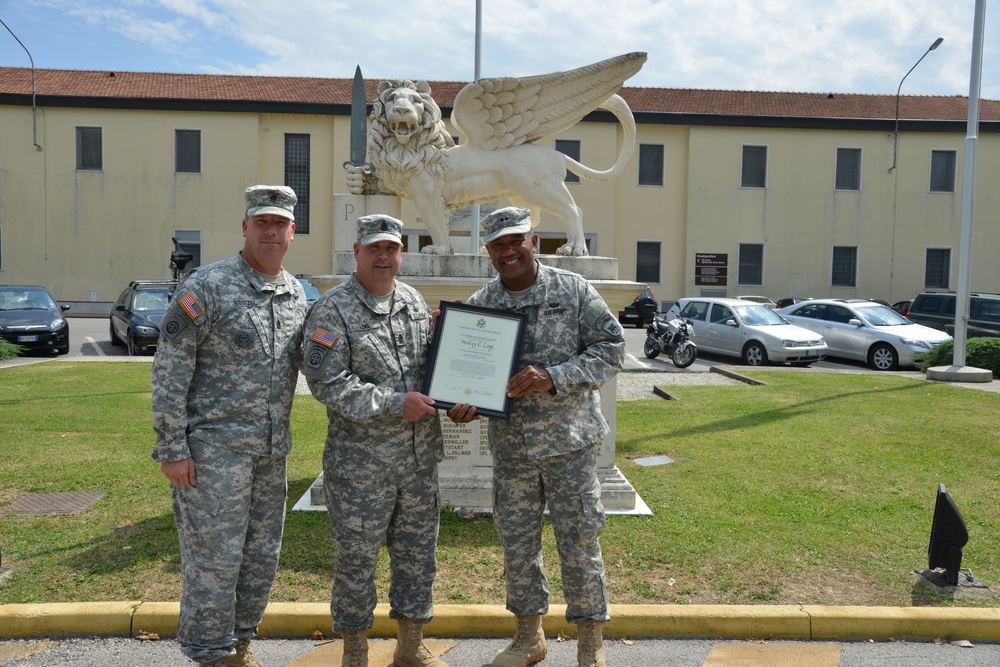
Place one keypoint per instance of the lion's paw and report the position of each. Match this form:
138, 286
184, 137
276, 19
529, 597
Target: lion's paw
573, 250
437, 250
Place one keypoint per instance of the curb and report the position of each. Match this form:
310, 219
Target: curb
803, 622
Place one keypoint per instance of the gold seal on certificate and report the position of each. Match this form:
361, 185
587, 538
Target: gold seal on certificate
476, 350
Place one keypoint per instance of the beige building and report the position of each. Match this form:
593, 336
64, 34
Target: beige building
729, 192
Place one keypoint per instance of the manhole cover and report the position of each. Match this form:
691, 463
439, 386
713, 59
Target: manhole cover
653, 461
65, 502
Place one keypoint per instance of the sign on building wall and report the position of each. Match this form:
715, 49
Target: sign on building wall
711, 268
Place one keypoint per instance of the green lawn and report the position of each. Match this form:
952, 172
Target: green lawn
814, 488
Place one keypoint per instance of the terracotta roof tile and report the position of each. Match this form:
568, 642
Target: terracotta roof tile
312, 90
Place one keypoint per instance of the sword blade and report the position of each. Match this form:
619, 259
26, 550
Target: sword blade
359, 115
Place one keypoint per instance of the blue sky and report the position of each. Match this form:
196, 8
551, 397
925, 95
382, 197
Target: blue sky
846, 46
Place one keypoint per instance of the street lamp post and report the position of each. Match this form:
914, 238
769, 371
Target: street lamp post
895, 134
34, 109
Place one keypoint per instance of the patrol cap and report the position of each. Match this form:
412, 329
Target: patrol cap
271, 199
379, 227
504, 221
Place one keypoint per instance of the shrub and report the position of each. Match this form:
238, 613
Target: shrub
979, 352
9, 350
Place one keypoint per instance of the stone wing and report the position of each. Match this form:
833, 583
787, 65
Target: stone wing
501, 112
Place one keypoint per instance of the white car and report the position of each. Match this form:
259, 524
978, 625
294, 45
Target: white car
865, 331
751, 331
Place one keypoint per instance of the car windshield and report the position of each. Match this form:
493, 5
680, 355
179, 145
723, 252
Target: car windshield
26, 299
881, 316
758, 316
151, 300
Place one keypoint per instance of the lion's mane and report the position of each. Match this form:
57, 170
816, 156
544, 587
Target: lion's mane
396, 162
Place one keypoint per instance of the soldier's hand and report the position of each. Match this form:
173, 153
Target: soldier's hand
463, 413
180, 473
417, 405
529, 379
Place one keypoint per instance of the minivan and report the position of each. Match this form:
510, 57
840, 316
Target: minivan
937, 310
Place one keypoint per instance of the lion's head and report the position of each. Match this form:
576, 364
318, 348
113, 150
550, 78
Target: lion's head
406, 133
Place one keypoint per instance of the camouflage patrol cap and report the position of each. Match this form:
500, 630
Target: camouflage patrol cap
379, 227
271, 199
505, 221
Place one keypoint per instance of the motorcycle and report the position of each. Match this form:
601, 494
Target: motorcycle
673, 338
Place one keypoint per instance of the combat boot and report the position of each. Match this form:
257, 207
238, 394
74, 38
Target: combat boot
410, 648
355, 648
244, 655
228, 661
589, 645
528, 646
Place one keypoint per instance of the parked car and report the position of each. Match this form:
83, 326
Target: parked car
902, 307
865, 331
751, 331
136, 315
641, 311
31, 318
937, 310
312, 293
759, 299
791, 301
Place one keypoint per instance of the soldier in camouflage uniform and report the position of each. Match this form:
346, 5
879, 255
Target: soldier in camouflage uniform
223, 381
367, 342
546, 452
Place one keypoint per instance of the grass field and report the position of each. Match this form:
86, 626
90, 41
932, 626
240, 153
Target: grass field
813, 488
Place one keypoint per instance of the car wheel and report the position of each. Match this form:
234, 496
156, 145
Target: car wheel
115, 340
133, 349
883, 357
62, 350
754, 354
651, 349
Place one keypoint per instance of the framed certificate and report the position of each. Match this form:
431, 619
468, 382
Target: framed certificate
475, 352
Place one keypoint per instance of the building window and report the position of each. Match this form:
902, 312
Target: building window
751, 264
937, 268
942, 171
647, 261
845, 266
570, 147
190, 242
754, 167
848, 169
297, 177
187, 151
650, 164
89, 149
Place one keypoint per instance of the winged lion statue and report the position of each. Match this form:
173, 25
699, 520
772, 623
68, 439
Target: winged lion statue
499, 120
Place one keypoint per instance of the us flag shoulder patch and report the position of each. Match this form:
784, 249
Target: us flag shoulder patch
324, 337
191, 306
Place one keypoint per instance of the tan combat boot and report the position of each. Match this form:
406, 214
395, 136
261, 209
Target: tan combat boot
228, 661
355, 648
590, 645
244, 655
528, 646
410, 648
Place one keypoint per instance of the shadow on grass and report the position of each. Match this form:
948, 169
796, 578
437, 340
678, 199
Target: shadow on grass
49, 398
151, 540
757, 418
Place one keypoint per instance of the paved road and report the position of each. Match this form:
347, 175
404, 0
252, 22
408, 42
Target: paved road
125, 652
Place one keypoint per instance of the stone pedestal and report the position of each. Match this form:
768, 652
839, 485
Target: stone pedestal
466, 473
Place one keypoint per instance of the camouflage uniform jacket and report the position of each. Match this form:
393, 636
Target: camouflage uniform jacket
360, 359
570, 333
227, 362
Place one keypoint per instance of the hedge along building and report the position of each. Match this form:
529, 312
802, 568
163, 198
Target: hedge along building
729, 192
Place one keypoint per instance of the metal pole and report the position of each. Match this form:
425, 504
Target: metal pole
34, 109
474, 210
968, 189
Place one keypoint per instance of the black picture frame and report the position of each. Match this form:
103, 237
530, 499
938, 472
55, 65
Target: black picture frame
476, 350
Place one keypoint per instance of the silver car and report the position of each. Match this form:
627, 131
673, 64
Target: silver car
751, 331
865, 331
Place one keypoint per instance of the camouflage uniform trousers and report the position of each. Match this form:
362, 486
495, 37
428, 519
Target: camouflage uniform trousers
402, 510
568, 484
230, 527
